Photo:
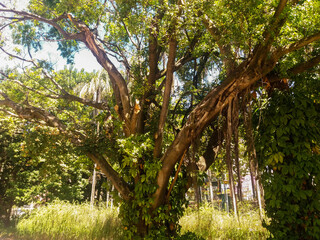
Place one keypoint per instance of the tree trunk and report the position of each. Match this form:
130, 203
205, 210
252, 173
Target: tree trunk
235, 123
229, 160
205, 112
210, 186
254, 169
93, 186
5, 212
252, 177
111, 204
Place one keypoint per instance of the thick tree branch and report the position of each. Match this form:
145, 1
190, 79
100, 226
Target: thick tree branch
187, 57
120, 53
166, 96
212, 149
97, 50
65, 95
276, 22
180, 63
95, 104
9, 113
135, 116
154, 50
200, 69
32, 113
90, 40
213, 30
53, 22
168, 84
297, 45
111, 174
227, 55
271, 32
244, 76
302, 67
154, 55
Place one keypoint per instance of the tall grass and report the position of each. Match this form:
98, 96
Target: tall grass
64, 221
210, 223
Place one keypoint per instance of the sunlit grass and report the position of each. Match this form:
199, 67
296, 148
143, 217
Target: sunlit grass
210, 223
63, 221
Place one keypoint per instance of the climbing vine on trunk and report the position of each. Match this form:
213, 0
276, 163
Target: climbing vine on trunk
288, 143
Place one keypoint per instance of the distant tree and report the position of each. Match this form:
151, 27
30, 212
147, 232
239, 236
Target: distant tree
12, 164
32, 173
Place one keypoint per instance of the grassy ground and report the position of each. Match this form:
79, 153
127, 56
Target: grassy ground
211, 223
64, 221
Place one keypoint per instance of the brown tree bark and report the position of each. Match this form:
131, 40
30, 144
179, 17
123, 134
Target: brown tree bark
229, 159
235, 123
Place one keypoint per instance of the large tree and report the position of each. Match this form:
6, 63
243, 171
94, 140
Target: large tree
205, 55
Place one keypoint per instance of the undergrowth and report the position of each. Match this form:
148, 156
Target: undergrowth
64, 221
211, 223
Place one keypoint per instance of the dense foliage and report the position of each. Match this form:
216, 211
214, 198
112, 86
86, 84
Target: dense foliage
288, 144
16, 174
33, 169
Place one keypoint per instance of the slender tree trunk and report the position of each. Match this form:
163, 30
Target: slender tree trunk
111, 204
235, 123
228, 159
197, 195
93, 188
5, 212
108, 198
94, 177
259, 199
99, 188
210, 186
252, 177
255, 176
258, 183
